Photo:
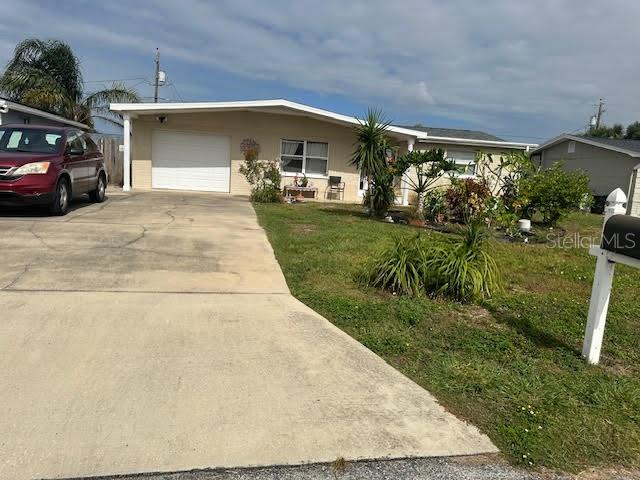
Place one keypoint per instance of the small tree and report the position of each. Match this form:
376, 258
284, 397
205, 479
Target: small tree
370, 155
633, 131
502, 176
429, 166
553, 192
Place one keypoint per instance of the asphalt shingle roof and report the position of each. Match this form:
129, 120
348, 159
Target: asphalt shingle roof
455, 133
633, 145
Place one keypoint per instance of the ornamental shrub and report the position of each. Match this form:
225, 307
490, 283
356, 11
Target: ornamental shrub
435, 204
553, 192
263, 176
467, 200
464, 271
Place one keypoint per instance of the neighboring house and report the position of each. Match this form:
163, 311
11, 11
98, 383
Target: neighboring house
12, 112
610, 163
196, 146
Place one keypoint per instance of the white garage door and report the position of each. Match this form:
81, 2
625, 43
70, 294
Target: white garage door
190, 161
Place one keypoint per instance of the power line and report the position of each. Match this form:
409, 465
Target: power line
175, 90
115, 80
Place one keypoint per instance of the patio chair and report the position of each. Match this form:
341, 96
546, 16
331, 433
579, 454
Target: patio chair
335, 186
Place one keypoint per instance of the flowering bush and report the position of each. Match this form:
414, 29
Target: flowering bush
264, 177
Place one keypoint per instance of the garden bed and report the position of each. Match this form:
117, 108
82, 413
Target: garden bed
539, 233
496, 362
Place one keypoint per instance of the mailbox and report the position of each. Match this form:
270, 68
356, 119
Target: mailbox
622, 235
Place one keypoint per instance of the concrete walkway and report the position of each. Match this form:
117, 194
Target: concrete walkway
155, 333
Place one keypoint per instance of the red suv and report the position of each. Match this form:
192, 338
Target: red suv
42, 165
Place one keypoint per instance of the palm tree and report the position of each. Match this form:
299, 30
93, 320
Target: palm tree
46, 74
372, 145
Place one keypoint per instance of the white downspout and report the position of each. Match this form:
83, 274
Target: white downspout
126, 166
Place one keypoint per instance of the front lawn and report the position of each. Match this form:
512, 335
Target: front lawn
511, 366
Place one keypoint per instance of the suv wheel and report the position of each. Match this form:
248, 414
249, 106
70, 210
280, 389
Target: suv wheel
98, 194
61, 198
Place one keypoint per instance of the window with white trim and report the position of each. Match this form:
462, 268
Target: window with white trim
304, 156
465, 162
572, 147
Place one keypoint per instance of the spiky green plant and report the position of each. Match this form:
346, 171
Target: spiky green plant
372, 145
46, 74
400, 267
465, 270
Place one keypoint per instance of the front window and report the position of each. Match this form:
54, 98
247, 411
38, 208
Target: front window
304, 156
29, 140
465, 162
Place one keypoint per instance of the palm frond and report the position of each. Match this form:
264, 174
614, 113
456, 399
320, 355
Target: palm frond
118, 93
50, 58
108, 116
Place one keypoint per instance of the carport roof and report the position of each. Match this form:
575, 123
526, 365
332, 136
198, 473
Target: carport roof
287, 107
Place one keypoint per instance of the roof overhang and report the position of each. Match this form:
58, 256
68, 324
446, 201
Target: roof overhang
576, 138
8, 105
286, 107
478, 143
281, 107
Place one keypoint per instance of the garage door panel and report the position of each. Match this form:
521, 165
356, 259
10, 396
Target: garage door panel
189, 161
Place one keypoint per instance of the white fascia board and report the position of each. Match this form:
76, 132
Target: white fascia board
34, 111
298, 108
192, 107
576, 138
477, 143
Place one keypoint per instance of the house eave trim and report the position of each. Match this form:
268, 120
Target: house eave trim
34, 111
577, 138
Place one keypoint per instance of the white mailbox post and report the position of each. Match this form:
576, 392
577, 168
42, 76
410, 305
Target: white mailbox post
603, 278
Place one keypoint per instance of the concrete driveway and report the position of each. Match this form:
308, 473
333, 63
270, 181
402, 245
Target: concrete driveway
155, 332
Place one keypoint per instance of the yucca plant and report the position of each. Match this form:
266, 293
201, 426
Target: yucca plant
369, 157
466, 270
400, 267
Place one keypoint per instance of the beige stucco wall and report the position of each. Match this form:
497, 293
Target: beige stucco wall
266, 129
607, 169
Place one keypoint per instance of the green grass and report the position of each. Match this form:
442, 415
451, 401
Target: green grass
492, 364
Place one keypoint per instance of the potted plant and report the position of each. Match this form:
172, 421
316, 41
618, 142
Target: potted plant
304, 181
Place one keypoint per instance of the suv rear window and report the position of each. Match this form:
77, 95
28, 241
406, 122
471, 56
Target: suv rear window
30, 140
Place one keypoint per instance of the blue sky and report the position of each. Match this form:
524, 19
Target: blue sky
521, 70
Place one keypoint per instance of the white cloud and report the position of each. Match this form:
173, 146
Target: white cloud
542, 62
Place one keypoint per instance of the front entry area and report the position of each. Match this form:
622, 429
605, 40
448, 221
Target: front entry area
190, 161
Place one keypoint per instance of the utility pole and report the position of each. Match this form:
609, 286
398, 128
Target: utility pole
601, 110
157, 76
